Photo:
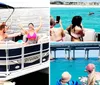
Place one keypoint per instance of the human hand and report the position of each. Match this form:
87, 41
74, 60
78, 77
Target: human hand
60, 22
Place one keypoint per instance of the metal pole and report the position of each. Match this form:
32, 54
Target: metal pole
41, 47
69, 50
51, 57
73, 53
99, 53
55, 53
86, 53
66, 56
22, 63
7, 60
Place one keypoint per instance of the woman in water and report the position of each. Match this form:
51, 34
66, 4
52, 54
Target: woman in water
31, 33
3, 35
66, 80
93, 76
75, 29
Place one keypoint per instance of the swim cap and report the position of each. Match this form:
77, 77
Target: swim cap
66, 75
90, 67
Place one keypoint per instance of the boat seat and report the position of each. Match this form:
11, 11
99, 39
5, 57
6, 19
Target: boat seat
90, 35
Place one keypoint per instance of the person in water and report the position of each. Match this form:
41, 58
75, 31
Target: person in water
93, 76
56, 34
4, 35
31, 33
66, 80
76, 30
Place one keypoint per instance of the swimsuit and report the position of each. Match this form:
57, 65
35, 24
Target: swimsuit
33, 37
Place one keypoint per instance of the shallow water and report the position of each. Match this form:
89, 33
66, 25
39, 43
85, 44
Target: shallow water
91, 22
74, 67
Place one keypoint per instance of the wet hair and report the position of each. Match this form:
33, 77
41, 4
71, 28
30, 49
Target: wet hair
31, 24
52, 22
76, 21
2, 26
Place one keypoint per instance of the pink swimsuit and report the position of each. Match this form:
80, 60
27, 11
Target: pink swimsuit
34, 36
32, 39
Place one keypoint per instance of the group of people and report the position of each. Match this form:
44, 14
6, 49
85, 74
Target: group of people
30, 34
93, 77
75, 30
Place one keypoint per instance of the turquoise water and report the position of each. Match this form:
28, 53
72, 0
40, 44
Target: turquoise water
91, 22
75, 68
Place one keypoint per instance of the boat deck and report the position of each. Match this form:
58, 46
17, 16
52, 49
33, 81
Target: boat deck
25, 71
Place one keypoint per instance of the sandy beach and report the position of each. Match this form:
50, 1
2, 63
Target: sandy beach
95, 6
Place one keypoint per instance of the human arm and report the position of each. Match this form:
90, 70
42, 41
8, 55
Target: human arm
60, 23
22, 28
37, 29
13, 35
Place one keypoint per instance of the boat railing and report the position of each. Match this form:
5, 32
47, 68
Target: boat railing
15, 57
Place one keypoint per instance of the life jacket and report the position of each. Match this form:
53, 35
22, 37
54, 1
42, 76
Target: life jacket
71, 82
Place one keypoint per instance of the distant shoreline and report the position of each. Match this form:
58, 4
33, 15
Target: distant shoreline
93, 6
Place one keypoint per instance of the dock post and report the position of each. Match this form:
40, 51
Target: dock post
69, 50
99, 53
51, 56
66, 56
55, 53
86, 53
73, 53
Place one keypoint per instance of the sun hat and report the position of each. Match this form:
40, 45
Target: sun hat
66, 76
90, 67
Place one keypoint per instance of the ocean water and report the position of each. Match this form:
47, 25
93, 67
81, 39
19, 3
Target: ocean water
66, 14
74, 67
25, 16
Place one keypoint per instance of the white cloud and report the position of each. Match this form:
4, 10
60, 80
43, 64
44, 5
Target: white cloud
27, 3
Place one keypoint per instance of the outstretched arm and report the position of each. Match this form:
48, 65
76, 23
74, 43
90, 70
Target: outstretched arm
25, 32
13, 35
61, 24
37, 29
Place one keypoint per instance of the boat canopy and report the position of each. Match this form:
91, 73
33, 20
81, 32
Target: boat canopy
4, 6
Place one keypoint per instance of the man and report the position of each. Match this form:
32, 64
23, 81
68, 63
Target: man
56, 34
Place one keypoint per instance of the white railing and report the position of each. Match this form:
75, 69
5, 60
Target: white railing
21, 60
